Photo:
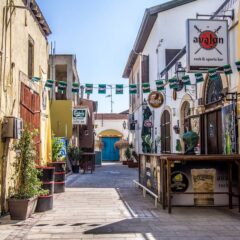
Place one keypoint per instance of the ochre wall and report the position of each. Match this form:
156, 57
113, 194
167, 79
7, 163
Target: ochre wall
61, 118
14, 69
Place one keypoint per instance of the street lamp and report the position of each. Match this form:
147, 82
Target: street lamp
180, 73
124, 125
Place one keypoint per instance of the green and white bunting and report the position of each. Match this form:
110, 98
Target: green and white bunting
227, 69
173, 82
238, 65
160, 85
75, 87
119, 89
199, 77
89, 88
213, 74
132, 89
146, 87
36, 79
186, 80
62, 86
49, 83
102, 88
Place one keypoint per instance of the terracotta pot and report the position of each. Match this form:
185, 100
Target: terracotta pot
21, 209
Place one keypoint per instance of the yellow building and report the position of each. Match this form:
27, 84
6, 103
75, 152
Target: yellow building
23, 56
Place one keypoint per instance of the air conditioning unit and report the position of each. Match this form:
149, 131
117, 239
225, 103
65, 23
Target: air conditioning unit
12, 127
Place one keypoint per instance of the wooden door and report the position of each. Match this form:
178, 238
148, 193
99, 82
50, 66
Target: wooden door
30, 112
214, 132
109, 152
165, 132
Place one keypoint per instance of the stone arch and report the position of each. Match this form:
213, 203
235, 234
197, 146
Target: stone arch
110, 133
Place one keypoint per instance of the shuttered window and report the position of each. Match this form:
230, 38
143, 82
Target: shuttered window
145, 69
170, 54
30, 57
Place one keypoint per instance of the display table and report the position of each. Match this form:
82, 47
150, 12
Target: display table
182, 177
88, 161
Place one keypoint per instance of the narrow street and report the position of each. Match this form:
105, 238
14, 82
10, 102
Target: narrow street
105, 205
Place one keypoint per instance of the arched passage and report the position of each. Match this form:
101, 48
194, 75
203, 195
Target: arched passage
109, 138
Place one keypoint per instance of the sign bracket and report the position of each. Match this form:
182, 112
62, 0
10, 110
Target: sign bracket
216, 16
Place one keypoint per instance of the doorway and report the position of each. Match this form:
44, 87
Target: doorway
109, 152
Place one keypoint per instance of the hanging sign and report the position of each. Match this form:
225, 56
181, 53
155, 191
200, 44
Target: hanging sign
155, 99
79, 116
207, 44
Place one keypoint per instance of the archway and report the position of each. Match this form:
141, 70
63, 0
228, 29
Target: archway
165, 132
211, 121
109, 138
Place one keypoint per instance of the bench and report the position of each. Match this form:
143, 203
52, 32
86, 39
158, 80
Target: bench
145, 190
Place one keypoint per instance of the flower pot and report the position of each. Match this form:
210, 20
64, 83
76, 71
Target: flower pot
47, 174
125, 162
75, 169
59, 166
44, 203
21, 209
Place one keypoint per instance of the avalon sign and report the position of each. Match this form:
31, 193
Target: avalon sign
207, 45
80, 116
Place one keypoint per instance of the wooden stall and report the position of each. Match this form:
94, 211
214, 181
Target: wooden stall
198, 180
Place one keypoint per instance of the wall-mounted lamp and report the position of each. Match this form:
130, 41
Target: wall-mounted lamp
144, 104
124, 125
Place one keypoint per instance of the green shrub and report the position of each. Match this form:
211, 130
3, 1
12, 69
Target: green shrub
57, 146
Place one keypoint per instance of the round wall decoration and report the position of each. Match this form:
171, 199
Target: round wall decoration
155, 99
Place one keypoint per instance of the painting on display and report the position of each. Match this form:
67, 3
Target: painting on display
229, 129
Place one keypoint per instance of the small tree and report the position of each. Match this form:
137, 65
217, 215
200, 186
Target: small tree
27, 183
57, 146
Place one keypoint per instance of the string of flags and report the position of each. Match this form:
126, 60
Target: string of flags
133, 88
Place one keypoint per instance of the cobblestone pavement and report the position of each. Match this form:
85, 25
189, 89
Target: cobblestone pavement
105, 205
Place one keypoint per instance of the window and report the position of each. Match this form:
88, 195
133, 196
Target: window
30, 57
145, 69
170, 54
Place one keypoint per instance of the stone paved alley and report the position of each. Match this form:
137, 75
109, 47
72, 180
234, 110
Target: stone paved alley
105, 205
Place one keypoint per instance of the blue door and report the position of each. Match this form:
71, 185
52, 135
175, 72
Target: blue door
109, 153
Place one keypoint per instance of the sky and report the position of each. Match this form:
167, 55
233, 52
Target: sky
101, 33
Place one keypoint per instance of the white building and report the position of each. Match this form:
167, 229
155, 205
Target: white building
157, 53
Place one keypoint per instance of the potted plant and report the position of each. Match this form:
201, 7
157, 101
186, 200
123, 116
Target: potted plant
121, 145
23, 200
59, 164
74, 156
128, 155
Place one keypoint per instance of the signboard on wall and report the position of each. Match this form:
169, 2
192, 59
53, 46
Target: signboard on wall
80, 116
207, 44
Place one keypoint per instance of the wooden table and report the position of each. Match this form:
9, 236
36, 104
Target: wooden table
88, 161
168, 160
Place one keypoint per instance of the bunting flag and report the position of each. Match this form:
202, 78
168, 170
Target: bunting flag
102, 88
132, 89
199, 77
119, 89
238, 65
49, 83
213, 74
173, 82
146, 87
227, 69
186, 80
62, 86
75, 87
160, 85
89, 88
36, 79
